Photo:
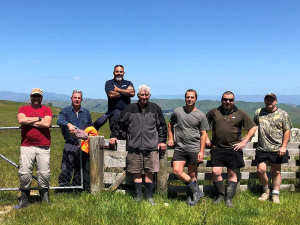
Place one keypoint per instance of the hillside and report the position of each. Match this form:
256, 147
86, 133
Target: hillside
99, 105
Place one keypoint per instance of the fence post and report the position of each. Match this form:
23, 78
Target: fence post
162, 174
96, 163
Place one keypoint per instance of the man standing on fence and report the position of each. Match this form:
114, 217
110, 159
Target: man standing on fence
35, 121
274, 127
190, 126
71, 118
119, 92
226, 145
147, 134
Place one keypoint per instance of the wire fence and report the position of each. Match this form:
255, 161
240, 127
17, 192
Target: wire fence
70, 178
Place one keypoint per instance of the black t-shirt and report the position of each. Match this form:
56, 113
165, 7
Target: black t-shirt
118, 103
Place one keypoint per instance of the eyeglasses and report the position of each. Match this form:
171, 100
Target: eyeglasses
228, 99
38, 96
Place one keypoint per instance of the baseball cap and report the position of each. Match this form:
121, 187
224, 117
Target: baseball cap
36, 91
271, 95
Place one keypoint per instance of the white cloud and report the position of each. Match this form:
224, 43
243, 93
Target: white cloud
77, 78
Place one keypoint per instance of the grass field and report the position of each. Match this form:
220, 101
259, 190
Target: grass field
116, 208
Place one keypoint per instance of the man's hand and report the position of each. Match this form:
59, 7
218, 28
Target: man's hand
112, 141
71, 129
208, 143
171, 142
162, 146
239, 146
116, 88
282, 151
200, 156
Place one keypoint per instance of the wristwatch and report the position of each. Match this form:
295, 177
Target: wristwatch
40, 118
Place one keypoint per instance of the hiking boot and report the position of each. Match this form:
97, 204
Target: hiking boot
220, 187
275, 199
196, 193
149, 188
44, 193
138, 192
189, 195
231, 187
265, 195
24, 200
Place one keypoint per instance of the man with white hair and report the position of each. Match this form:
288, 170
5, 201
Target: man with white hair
119, 92
146, 134
70, 118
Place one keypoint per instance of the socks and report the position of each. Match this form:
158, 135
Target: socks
275, 192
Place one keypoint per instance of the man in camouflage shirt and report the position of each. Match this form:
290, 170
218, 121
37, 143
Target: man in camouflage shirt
274, 127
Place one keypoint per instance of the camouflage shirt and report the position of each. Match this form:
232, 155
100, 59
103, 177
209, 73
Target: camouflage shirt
270, 128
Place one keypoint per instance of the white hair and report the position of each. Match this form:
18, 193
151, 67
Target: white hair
144, 87
77, 92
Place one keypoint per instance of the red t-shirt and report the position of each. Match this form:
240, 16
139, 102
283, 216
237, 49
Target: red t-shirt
33, 136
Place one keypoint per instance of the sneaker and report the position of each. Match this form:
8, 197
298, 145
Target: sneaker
275, 199
265, 196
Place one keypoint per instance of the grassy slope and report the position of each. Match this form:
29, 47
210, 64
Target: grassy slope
113, 208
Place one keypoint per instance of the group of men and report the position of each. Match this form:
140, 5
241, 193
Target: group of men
143, 125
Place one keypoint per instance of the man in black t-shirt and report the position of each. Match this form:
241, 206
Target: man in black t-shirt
119, 92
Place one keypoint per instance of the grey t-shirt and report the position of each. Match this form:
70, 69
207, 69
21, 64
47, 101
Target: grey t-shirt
187, 127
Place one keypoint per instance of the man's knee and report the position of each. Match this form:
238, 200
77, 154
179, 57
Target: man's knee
261, 169
217, 171
177, 171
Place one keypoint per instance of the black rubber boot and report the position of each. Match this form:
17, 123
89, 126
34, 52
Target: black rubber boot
138, 192
231, 187
149, 192
220, 188
44, 193
25, 199
196, 193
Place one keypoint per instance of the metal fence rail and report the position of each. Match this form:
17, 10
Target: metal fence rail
10, 141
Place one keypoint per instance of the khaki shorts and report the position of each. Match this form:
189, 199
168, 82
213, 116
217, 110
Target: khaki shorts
139, 161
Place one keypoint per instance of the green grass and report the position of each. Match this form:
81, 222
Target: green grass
116, 208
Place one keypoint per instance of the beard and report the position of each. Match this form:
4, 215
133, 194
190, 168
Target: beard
119, 78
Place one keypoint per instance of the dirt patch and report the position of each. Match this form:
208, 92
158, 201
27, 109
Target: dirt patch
4, 210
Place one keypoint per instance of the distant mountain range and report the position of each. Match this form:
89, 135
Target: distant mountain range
167, 105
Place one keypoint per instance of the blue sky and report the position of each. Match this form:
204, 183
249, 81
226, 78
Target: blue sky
248, 47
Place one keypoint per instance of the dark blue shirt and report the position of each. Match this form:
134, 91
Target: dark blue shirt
117, 103
81, 120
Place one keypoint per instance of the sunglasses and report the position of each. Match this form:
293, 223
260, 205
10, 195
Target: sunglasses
228, 99
38, 96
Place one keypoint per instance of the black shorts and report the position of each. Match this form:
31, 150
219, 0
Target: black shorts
227, 158
274, 157
190, 157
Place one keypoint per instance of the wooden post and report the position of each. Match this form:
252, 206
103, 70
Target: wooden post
96, 164
162, 174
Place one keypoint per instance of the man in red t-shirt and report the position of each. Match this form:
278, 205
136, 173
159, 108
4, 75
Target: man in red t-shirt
35, 121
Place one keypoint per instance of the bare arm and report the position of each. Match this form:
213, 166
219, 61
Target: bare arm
203, 138
285, 140
242, 144
129, 92
113, 94
170, 134
24, 120
34, 121
44, 123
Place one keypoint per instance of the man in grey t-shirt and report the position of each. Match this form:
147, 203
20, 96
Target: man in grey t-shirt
189, 125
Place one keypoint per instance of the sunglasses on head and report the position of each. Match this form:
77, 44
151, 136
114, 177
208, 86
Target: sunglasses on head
34, 95
228, 99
